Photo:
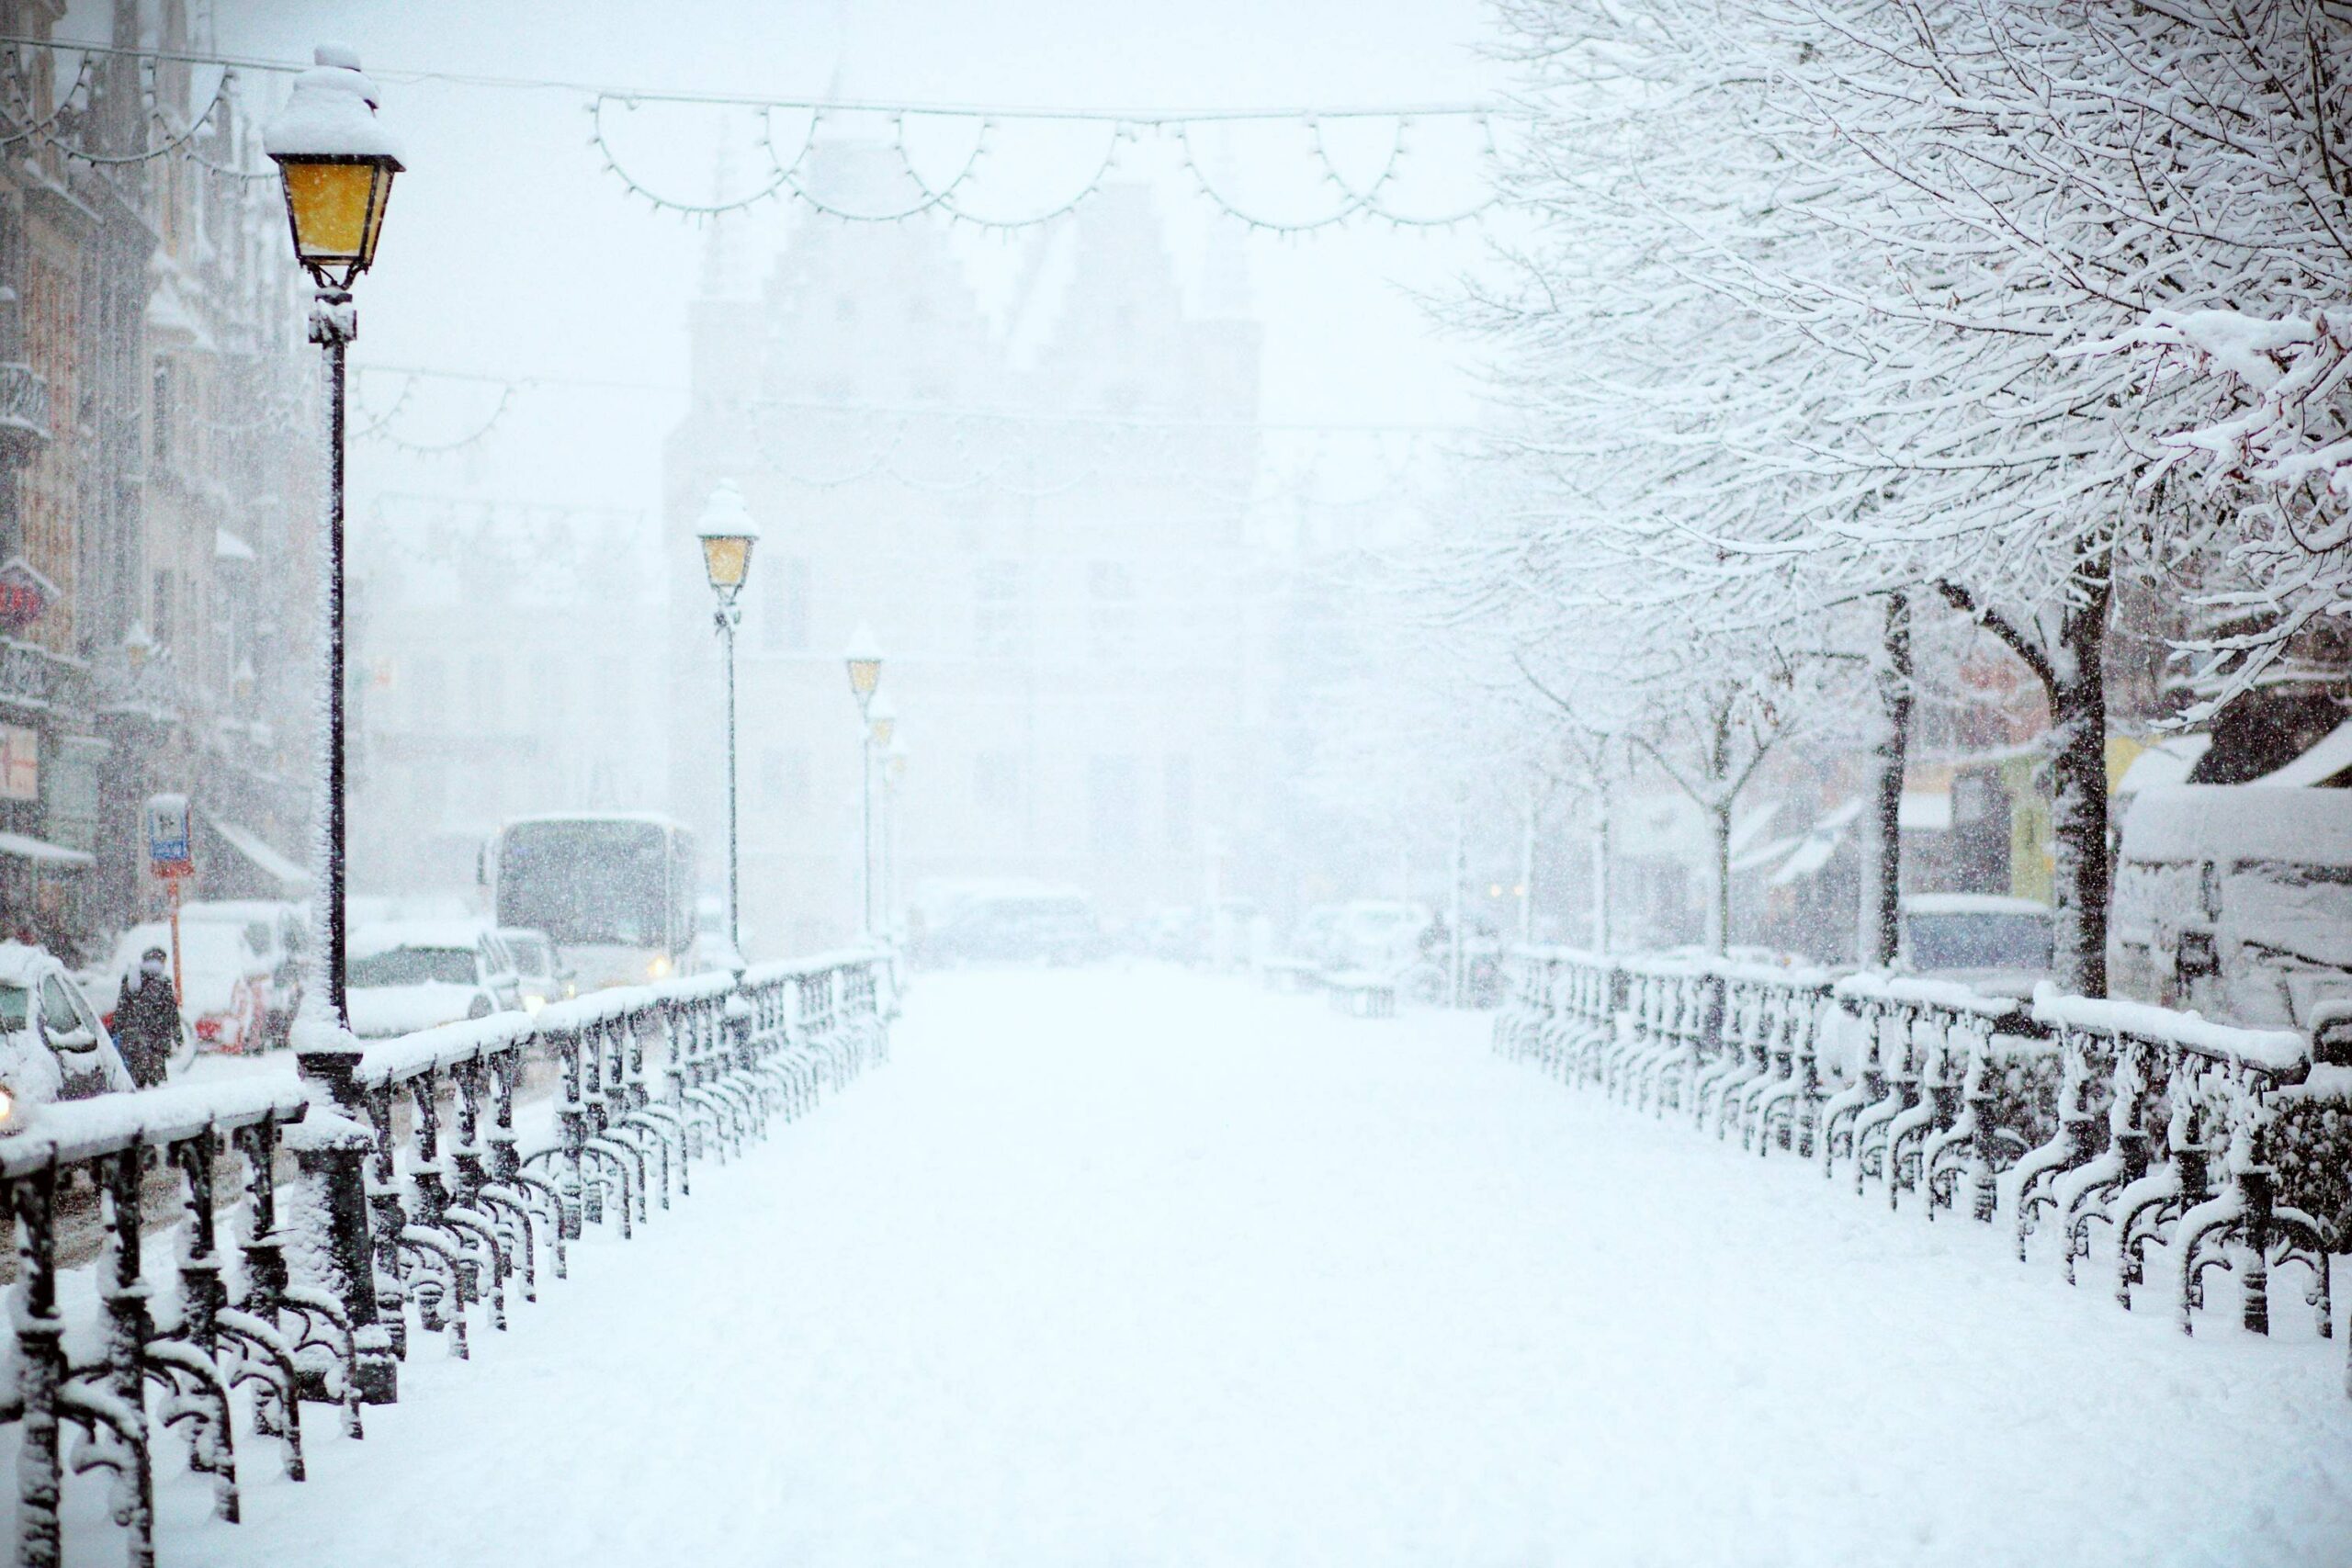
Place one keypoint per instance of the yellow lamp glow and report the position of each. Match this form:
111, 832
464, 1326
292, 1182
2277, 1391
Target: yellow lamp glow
727, 534
864, 659
882, 715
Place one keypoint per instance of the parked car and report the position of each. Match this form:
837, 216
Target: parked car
410, 974
224, 979
1996, 944
280, 932
2234, 900
541, 974
1053, 926
52, 1044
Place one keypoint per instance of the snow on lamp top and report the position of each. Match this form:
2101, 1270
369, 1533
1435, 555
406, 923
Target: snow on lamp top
727, 534
863, 656
337, 160
330, 113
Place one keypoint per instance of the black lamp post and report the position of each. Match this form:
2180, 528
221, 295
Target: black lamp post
337, 164
727, 534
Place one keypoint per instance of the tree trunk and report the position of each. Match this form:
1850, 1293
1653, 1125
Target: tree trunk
1882, 870
1600, 873
2078, 786
1719, 905
1527, 878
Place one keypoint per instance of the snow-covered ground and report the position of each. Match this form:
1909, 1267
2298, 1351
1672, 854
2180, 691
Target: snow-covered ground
1142, 1268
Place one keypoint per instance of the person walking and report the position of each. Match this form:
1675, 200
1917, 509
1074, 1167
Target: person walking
147, 1020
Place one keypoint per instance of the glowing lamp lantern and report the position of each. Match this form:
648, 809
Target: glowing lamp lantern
864, 659
882, 715
337, 161
727, 534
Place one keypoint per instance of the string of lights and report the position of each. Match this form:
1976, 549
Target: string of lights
953, 198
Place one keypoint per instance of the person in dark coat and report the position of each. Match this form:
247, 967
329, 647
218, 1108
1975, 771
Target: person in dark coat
147, 1021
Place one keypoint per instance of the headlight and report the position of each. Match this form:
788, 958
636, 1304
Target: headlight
659, 967
7, 1108
533, 1003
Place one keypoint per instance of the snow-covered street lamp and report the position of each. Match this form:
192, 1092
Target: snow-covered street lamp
727, 534
337, 161
864, 660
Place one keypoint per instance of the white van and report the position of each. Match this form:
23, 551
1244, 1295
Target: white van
2236, 901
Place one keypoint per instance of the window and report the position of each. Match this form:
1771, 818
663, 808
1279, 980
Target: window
489, 684
1111, 609
1110, 799
996, 783
552, 690
161, 630
57, 1010
785, 626
162, 413
428, 692
1176, 801
784, 778
1001, 614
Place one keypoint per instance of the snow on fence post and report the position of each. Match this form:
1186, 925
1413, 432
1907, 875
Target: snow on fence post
2226, 1149
442, 1214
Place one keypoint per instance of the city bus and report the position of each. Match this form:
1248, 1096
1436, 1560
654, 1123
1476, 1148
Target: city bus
615, 890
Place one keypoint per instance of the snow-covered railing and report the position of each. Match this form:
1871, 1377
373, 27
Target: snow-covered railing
2155, 1132
331, 1279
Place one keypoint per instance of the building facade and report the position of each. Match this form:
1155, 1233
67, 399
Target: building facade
160, 471
1041, 517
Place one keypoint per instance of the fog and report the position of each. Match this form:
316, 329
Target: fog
573, 463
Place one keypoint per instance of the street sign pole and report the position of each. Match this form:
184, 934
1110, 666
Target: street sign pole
179, 989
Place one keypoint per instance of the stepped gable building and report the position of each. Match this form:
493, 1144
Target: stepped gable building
1041, 517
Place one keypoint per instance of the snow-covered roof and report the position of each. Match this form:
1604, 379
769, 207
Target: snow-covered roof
277, 867
392, 936
228, 546
1924, 811
653, 818
2228, 823
330, 113
1971, 904
2167, 762
2330, 755
22, 965
22, 847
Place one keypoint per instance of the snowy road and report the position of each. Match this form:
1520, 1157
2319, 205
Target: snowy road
1148, 1268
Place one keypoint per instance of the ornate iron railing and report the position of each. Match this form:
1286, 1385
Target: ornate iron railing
475, 1185
2118, 1132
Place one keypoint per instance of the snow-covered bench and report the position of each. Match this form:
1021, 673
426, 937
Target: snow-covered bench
1359, 993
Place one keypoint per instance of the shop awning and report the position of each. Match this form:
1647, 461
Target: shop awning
56, 857
292, 879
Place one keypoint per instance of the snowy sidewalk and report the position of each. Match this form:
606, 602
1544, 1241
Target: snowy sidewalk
1140, 1268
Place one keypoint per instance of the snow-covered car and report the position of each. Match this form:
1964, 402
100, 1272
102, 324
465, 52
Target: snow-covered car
540, 974
2236, 901
52, 1046
1049, 925
280, 933
410, 974
224, 979
1998, 945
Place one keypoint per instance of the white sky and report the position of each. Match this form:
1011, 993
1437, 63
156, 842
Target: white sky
510, 250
